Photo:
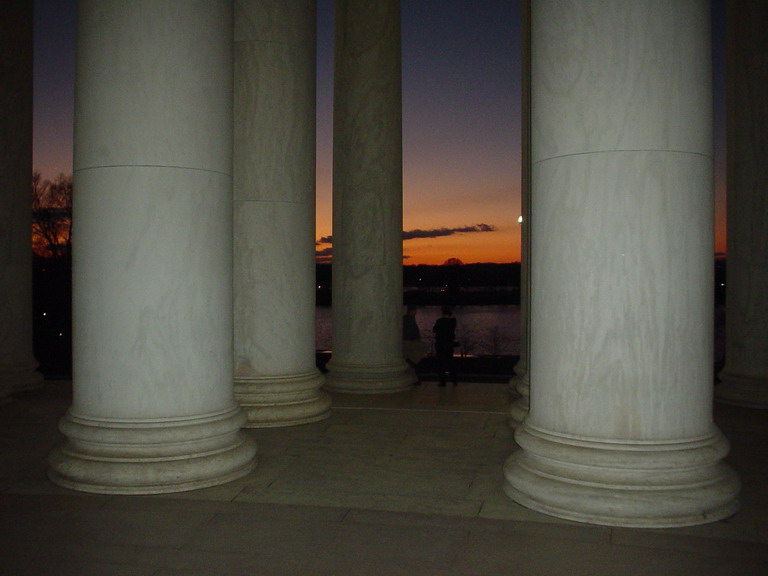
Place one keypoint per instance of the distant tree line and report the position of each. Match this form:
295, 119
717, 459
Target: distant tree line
463, 275
436, 276
451, 284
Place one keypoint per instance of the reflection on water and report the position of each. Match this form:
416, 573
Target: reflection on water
481, 330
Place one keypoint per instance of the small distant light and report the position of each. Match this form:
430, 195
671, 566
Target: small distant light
722, 284
45, 313
61, 334
519, 219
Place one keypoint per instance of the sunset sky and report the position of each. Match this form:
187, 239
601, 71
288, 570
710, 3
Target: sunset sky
461, 122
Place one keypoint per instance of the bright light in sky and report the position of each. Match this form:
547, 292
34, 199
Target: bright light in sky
461, 118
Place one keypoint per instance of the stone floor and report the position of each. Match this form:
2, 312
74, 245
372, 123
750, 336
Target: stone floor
405, 484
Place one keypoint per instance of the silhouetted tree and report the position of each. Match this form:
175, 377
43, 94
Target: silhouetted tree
52, 216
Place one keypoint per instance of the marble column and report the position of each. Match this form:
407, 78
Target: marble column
620, 429
745, 374
276, 380
17, 364
153, 405
520, 383
367, 201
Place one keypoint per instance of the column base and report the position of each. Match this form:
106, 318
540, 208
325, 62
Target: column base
151, 456
520, 408
742, 391
638, 485
356, 379
520, 379
21, 377
518, 412
273, 401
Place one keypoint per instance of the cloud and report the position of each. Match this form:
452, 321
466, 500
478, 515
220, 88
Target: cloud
418, 233
440, 232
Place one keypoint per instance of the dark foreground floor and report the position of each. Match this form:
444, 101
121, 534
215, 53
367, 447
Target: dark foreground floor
404, 484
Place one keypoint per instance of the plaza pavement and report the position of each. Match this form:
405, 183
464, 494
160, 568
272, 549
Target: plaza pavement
401, 484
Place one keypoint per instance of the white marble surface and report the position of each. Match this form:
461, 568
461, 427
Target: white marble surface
276, 380
287, 22
631, 484
153, 406
621, 299
367, 200
620, 427
603, 74
274, 289
745, 375
288, 400
17, 364
152, 292
166, 112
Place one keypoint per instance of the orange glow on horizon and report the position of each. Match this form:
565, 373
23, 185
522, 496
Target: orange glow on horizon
500, 246
422, 211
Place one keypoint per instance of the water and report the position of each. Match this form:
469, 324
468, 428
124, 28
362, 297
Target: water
481, 330
484, 330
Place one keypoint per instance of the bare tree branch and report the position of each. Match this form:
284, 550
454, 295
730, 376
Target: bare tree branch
52, 216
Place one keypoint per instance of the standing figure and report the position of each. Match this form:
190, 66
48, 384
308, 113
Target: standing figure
413, 347
445, 336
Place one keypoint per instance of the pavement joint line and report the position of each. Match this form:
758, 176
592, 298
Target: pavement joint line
392, 409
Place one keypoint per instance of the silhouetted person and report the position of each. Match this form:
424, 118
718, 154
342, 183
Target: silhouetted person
445, 336
411, 331
413, 348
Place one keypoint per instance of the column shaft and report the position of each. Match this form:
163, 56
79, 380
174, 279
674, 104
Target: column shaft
17, 364
620, 429
276, 380
367, 201
153, 406
521, 381
745, 374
